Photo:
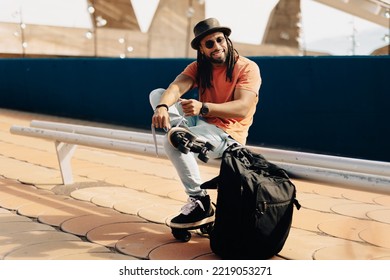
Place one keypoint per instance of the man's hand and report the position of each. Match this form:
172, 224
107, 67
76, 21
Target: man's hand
160, 118
191, 107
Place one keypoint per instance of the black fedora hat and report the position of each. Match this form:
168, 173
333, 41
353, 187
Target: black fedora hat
206, 27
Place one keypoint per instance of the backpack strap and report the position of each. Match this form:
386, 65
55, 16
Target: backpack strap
211, 184
297, 204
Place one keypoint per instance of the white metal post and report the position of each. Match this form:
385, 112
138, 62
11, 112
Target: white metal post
65, 152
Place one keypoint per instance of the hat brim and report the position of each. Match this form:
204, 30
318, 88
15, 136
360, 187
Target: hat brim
196, 41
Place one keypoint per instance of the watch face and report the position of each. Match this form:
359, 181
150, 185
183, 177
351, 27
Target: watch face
204, 110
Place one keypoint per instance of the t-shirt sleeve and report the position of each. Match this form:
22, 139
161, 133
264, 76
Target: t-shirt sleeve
191, 71
250, 78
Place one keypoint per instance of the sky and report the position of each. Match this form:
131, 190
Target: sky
335, 35
324, 29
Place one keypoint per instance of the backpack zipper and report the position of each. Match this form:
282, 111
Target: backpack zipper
266, 205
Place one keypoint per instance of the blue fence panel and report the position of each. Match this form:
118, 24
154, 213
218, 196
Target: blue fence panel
330, 105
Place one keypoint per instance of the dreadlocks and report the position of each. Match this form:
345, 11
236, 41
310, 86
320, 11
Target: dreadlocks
205, 74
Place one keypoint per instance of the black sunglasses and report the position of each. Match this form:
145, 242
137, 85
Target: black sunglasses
210, 43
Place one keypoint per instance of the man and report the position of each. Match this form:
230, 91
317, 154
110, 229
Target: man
228, 86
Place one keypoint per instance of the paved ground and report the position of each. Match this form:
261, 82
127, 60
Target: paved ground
118, 206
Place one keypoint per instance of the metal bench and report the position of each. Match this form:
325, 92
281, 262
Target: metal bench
373, 176
67, 137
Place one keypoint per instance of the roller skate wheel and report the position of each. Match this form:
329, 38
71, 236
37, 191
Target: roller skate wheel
181, 234
206, 229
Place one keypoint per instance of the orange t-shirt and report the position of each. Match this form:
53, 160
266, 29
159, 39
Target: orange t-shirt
246, 75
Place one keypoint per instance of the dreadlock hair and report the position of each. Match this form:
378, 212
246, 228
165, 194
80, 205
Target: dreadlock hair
205, 73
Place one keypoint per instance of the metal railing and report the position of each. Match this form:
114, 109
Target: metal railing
365, 175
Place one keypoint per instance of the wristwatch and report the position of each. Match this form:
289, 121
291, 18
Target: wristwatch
204, 110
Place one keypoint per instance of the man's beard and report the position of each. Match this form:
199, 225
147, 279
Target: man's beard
220, 60
217, 61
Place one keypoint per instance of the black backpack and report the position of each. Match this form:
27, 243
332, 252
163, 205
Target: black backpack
254, 206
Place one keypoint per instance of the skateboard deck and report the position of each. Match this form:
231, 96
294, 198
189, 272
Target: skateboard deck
185, 141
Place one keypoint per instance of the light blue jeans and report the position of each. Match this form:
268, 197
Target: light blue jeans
186, 164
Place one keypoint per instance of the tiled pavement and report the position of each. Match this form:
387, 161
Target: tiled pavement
118, 206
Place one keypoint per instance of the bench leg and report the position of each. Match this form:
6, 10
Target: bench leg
65, 152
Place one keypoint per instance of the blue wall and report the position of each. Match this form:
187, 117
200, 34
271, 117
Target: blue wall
331, 105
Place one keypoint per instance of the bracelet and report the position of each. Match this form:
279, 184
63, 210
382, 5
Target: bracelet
162, 105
